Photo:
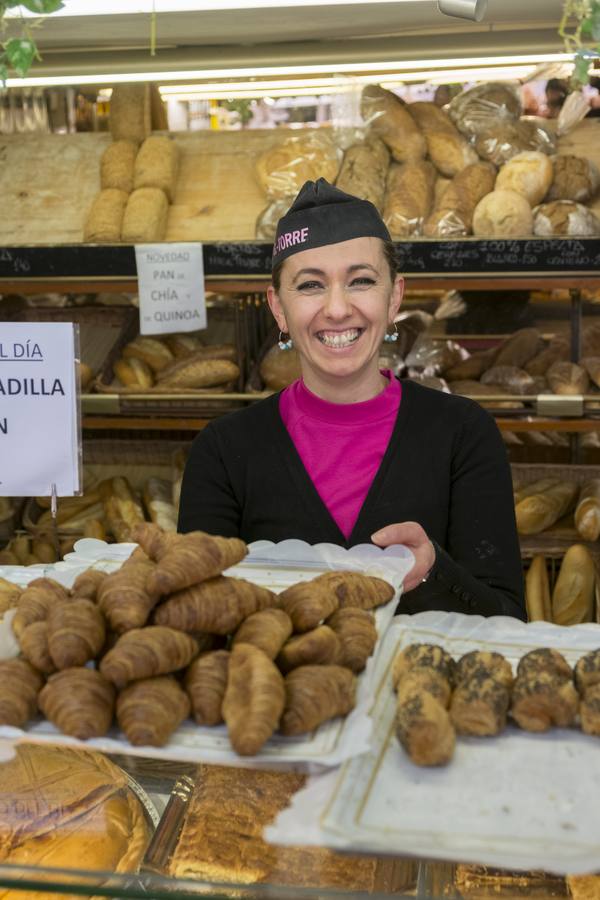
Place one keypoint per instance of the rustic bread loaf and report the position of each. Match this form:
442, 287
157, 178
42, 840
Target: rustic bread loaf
529, 173
575, 178
364, 171
502, 214
390, 120
565, 217
453, 215
408, 197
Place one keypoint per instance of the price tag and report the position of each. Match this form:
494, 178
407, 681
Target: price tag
171, 287
40, 433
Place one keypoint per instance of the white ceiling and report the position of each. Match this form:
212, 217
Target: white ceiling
353, 33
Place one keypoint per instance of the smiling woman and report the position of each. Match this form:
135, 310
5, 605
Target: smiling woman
348, 454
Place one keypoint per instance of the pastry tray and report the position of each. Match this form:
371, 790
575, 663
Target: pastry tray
276, 567
519, 800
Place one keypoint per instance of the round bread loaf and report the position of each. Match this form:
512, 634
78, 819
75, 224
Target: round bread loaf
575, 178
529, 174
502, 213
565, 217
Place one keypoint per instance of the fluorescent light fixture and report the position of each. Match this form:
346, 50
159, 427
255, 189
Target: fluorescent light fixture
131, 7
374, 69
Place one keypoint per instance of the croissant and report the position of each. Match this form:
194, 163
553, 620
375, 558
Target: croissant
268, 630
318, 647
79, 701
9, 595
357, 635
307, 604
86, 585
192, 558
35, 602
205, 683
76, 633
20, 685
149, 711
153, 540
314, 694
34, 647
123, 596
217, 606
254, 699
354, 589
145, 652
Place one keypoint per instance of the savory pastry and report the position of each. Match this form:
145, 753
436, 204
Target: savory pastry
541, 700
429, 656
267, 629
315, 694
357, 636
354, 589
124, 597
587, 671
86, 585
33, 641
317, 647
194, 557
76, 633
205, 683
423, 679
254, 699
35, 602
79, 701
494, 664
149, 711
20, 685
589, 710
479, 704
424, 729
544, 659
216, 606
145, 652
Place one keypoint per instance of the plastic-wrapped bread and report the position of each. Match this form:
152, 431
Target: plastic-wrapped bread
453, 214
449, 152
565, 217
156, 165
390, 120
116, 166
158, 502
587, 511
529, 174
145, 218
430, 118
129, 117
105, 219
283, 168
540, 511
567, 378
364, 170
573, 598
537, 591
504, 140
480, 108
408, 197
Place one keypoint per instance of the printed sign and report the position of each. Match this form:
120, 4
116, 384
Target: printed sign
40, 434
171, 288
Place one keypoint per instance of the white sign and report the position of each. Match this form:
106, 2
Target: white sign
40, 432
171, 288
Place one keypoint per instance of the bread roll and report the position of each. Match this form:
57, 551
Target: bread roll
449, 152
364, 171
408, 197
587, 511
573, 597
129, 117
453, 215
116, 166
105, 218
145, 218
151, 351
564, 217
389, 119
529, 174
575, 178
156, 165
539, 511
133, 373
503, 214
537, 591
567, 378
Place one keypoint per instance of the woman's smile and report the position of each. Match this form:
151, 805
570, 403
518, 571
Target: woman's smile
339, 340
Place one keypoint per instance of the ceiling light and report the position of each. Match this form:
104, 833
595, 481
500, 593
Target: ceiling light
74, 8
463, 9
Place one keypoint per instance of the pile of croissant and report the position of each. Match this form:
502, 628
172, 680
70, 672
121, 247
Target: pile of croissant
438, 698
168, 635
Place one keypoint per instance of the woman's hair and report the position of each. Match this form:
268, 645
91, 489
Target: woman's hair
389, 252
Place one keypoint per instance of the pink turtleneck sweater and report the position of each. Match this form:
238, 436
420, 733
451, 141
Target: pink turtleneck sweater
341, 444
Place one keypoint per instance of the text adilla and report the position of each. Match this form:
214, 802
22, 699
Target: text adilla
31, 387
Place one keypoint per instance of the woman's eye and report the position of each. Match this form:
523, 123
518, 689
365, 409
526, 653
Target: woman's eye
363, 279
309, 285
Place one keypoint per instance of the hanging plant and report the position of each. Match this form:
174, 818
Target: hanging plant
580, 30
17, 45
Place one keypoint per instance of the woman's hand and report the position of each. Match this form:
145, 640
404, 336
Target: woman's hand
412, 536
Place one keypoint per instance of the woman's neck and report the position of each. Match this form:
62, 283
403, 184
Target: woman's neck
353, 389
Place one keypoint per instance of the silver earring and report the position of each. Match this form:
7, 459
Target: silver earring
393, 336
285, 345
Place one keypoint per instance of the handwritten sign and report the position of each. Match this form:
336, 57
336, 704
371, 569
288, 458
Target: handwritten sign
171, 288
40, 435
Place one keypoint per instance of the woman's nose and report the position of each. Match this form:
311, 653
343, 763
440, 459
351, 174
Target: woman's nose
337, 303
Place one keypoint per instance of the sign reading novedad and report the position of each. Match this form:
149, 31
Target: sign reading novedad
171, 288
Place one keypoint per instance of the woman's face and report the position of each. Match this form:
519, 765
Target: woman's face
336, 302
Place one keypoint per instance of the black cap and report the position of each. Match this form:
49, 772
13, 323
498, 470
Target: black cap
320, 215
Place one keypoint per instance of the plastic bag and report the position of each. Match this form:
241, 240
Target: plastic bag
434, 357
574, 109
451, 306
506, 139
430, 381
283, 169
509, 379
481, 108
266, 224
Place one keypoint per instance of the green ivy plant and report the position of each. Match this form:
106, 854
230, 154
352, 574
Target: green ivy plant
580, 30
17, 45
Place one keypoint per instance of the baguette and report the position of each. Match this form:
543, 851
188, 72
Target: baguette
133, 372
537, 591
70, 508
536, 487
122, 511
574, 592
197, 372
587, 511
539, 511
157, 499
151, 351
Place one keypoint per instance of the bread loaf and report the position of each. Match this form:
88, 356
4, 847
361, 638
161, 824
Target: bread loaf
503, 214
567, 378
587, 511
556, 351
573, 596
506, 139
157, 499
430, 118
133, 373
104, 222
564, 217
481, 108
520, 348
116, 166
151, 351
473, 367
453, 215
121, 509
529, 174
408, 197
156, 165
591, 364
130, 117
389, 119
509, 379
449, 152
283, 169
539, 511
536, 487
198, 372
537, 591
364, 171
145, 218
279, 368
575, 178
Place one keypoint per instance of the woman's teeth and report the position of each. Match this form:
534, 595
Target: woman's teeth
339, 338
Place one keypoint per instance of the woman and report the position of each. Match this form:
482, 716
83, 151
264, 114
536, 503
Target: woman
349, 454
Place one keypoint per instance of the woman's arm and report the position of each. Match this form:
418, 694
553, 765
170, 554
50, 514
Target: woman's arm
208, 501
479, 571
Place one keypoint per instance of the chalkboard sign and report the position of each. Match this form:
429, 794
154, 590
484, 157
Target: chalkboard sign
424, 258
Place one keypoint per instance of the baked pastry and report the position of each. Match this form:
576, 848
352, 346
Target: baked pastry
149, 711
104, 221
145, 652
587, 671
423, 679
317, 647
156, 165
79, 701
357, 635
124, 598
20, 685
565, 217
429, 656
589, 710
389, 119
145, 216
309, 602
205, 683
479, 704
75, 633
541, 700
424, 729
315, 694
503, 213
194, 557
254, 699
154, 540
409, 197
216, 606
116, 166
493, 663
544, 659
267, 629
33, 641
36, 601
86, 585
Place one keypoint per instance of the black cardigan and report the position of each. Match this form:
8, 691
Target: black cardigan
445, 467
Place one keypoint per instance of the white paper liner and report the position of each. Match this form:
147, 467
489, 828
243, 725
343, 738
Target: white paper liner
519, 800
276, 567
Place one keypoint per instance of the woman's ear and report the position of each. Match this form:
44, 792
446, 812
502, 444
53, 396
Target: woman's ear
276, 308
396, 298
